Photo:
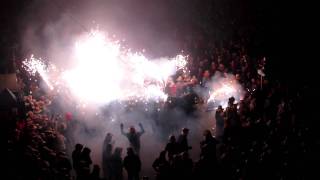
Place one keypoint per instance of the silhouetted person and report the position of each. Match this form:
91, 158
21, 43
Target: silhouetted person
76, 154
208, 160
133, 137
176, 167
172, 147
132, 164
208, 146
219, 123
84, 164
186, 166
85, 159
107, 140
95, 174
231, 114
116, 164
183, 140
161, 166
106, 161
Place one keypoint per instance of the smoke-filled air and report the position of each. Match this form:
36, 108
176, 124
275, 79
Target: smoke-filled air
106, 84
152, 90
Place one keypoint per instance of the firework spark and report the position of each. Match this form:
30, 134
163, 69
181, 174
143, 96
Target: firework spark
33, 66
222, 89
104, 71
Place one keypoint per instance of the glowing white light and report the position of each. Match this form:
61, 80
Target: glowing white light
34, 65
95, 78
104, 72
223, 89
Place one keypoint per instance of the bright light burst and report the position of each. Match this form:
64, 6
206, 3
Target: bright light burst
104, 71
34, 65
224, 88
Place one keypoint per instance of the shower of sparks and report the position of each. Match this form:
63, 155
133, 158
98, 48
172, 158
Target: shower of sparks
34, 66
224, 88
104, 72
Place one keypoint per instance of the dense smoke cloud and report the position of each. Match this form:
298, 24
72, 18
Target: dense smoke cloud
222, 87
48, 27
158, 124
52, 27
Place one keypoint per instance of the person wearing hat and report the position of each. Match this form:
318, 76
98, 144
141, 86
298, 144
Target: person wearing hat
133, 137
183, 140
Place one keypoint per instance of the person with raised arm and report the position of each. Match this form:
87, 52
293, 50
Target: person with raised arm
133, 137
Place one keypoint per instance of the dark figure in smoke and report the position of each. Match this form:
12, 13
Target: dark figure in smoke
85, 162
161, 166
132, 164
106, 156
232, 123
172, 147
107, 140
76, 154
106, 161
219, 123
231, 114
186, 166
85, 158
207, 163
183, 141
133, 137
208, 147
182, 166
116, 165
95, 174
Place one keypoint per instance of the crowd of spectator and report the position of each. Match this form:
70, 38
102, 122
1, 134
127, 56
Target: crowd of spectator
259, 137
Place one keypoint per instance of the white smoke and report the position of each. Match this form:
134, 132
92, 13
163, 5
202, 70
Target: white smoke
222, 87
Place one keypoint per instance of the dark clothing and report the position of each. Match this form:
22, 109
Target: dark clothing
162, 167
232, 116
186, 169
133, 175
208, 161
183, 143
132, 164
208, 149
106, 161
134, 139
76, 159
116, 168
172, 148
219, 125
94, 177
182, 168
85, 160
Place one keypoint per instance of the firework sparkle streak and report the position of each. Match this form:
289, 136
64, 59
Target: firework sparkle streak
104, 71
223, 89
34, 65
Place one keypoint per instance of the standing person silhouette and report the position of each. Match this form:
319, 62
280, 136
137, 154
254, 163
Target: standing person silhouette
133, 137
